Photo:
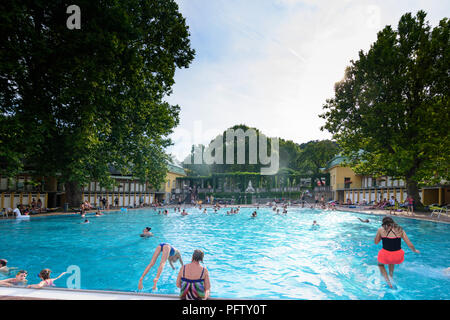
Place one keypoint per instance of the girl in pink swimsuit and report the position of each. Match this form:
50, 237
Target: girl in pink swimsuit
46, 280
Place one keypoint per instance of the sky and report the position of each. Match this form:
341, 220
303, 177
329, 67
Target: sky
271, 64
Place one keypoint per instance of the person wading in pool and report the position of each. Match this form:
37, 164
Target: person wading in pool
168, 253
391, 234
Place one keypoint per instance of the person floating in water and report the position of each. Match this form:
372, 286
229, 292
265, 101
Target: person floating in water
391, 235
365, 221
4, 268
146, 232
20, 279
168, 253
98, 213
46, 280
315, 225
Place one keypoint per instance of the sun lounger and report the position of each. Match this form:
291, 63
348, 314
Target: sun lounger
439, 210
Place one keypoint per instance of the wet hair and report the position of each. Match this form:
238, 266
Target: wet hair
198, 255
45, 274
21, 271
148, 228
389, 222
3, 262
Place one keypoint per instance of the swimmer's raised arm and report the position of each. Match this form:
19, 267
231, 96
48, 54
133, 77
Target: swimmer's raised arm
59, 276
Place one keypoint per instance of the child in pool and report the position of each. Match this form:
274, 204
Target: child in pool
46, 280
146, 232
21, 278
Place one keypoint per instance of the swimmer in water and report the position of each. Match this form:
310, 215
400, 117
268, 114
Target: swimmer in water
86, 221
21, 278
168, 253
146, 232
366, 220
254, 214
4, 268
46, 280
98, 213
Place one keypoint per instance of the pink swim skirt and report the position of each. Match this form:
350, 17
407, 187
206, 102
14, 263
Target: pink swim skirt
391, 257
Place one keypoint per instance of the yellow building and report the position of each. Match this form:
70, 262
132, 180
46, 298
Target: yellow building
347, 185
175, 170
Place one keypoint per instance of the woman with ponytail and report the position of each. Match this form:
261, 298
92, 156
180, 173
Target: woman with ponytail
391, 235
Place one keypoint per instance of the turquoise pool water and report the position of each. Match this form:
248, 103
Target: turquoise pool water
267, 257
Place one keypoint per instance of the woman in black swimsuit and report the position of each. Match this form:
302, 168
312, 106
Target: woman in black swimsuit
391, 234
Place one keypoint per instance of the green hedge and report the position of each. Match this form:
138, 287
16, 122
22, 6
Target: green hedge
239, 197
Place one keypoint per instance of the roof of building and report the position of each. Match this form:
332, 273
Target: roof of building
176, 167
337, 160
173, 166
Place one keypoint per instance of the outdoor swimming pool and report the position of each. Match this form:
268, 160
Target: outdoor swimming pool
267, 257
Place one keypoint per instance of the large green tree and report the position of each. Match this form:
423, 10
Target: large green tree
74, 102
390, 113
315, 155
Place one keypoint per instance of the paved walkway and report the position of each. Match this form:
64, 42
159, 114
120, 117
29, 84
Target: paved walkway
416, 215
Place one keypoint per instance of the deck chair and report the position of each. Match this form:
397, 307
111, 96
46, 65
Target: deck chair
439, 210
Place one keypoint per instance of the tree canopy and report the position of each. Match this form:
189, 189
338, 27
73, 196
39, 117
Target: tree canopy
74, 102
304, 159
390, 114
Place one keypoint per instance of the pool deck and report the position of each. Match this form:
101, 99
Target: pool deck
19, 293
416, 215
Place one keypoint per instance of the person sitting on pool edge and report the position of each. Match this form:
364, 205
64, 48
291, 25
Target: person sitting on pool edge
46, 280
21, 278
168, 253
146, 232
193, 279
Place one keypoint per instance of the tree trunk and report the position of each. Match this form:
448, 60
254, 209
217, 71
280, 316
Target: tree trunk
73, 194
413, 191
